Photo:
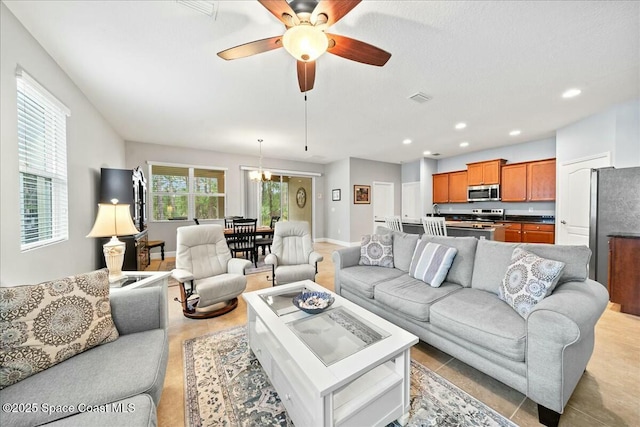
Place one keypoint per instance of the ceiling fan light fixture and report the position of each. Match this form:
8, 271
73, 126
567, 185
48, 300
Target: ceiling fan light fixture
305, 42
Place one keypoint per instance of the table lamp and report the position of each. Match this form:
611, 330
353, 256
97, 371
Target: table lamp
113, 220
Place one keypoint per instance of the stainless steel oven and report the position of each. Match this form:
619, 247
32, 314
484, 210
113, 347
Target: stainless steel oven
483, 193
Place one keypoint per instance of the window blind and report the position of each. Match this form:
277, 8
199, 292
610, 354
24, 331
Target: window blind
42, 156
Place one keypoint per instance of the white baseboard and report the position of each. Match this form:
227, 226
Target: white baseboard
158, 255
337, 242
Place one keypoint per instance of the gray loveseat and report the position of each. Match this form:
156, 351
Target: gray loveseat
114, 384
543, 356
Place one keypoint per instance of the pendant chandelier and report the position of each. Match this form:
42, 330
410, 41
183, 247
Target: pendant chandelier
260, 175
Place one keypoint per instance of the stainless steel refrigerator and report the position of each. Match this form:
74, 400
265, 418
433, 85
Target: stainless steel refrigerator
615, 208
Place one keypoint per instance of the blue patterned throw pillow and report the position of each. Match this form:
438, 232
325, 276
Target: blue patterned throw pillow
528, 280
431, 262
377, 249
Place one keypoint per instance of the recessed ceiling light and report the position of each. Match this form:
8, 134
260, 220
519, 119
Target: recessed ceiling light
515, 132
461, 125
571, 93
426, 153
464, 144
407, 141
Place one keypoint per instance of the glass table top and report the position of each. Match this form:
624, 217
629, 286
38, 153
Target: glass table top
282, 303
336, 333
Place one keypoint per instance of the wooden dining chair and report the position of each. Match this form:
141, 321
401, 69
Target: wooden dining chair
434, 225
393, 222
244, 239
264, 242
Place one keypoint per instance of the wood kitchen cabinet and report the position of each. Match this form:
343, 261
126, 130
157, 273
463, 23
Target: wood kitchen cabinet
529, 181
512, 232
514, 183
541, 180
538, 233
458, 187
484, 173
450, 187
441, 188
624, 272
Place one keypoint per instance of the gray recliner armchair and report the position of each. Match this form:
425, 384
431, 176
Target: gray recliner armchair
210, 279
292, 257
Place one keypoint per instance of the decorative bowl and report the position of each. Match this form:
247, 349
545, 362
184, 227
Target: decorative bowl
313, 302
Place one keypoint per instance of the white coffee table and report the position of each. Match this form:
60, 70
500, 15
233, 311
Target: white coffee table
343, 367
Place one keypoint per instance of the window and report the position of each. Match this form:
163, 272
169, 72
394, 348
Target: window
181, 192
274, 199
42, 155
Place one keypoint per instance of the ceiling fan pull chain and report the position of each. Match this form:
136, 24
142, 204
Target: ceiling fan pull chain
306, 133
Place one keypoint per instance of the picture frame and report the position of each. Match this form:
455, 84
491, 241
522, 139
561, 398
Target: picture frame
361, 194
335, 195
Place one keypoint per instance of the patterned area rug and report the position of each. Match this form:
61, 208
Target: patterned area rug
226, 386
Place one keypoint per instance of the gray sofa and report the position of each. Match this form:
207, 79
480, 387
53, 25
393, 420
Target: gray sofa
543, 356
114, 384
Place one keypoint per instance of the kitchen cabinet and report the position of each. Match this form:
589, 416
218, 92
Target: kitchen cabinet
624, 272
541, 180
450, 187
529, 181
441, 188
514, 183
484, 173
458, 187
538, 233
517, 232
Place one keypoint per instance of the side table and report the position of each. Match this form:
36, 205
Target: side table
141, 279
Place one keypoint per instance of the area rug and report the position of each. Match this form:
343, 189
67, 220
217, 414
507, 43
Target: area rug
261, 268
226, 386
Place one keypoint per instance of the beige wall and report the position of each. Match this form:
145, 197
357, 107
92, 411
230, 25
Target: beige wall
296, 213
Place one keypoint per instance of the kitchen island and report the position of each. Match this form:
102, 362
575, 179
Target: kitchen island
459, 229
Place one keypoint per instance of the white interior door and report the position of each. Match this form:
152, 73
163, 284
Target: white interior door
382, 200
411, 200
574, 188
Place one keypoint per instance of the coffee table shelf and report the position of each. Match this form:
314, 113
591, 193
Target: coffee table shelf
367, 385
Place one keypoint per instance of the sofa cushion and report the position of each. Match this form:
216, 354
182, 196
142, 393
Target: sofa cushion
529, 278
376, 249
462, 267
431, 262
575, 257
45, 324
491, 262
410, 296
363, 279
482, 318
403, 247
132, 365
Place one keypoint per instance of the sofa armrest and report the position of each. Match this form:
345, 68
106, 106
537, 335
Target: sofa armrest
181, 276
138, 310
343, 258
560, 340
315, 258
237, 265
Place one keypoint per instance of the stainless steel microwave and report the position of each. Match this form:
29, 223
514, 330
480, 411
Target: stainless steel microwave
483, 193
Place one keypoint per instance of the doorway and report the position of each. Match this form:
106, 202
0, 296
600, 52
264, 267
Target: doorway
574, 188
286, 196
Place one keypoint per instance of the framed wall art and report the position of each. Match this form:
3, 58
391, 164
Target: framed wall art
361, 194
335, 195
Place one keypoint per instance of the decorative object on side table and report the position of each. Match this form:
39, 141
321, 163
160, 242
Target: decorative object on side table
335, 195
361, 194
313, 302
113, 220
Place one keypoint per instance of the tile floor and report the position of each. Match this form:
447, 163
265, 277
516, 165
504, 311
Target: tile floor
607, 395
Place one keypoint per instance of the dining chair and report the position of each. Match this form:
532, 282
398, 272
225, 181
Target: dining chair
266, 241
434, 225
244, 239
228, 221
393, 223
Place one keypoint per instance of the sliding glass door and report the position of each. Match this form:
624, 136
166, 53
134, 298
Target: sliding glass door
289, 197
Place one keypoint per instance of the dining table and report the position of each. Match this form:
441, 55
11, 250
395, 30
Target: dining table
262, 230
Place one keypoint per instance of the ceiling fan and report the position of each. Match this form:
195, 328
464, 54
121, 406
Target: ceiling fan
305, 38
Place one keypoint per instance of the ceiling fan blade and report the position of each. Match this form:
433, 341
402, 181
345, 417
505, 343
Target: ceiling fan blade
356, 50
251, 48
281, 10
306, 75
334, 10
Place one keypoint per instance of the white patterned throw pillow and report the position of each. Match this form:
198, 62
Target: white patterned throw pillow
529, 278
377, 249
431, 262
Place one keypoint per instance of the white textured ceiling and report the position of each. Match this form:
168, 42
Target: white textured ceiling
151, 69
